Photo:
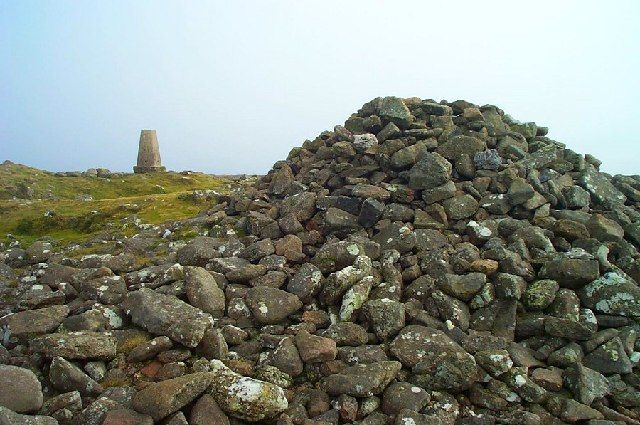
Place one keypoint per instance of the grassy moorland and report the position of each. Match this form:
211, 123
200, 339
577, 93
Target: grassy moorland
36, 203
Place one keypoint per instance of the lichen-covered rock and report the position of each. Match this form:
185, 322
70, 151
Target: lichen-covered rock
585, 384
394, 109
35, 322
540, 294
332, 257
495, 362
431, 171
67, 377
76, 345
609, 358
167, 315
387, 317
271, 305
9, 417
338, 283
355, 298
612, 294
362, 380
245, 398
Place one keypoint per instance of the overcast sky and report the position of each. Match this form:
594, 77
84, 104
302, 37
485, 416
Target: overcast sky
232, 86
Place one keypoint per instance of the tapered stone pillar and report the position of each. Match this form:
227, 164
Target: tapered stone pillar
148, 153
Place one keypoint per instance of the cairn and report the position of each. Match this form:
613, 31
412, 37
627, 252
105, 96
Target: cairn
148, 153
425, 263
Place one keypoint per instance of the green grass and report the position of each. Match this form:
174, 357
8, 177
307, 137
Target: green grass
152, 198
15, 178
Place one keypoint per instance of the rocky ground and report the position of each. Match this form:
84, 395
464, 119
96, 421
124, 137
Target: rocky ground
425, 263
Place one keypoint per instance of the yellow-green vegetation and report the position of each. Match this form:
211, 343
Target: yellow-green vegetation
57, 208
20, 181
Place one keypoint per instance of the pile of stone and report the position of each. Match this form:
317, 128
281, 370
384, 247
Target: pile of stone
425, 263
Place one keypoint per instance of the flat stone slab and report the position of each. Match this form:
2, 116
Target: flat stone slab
76, 345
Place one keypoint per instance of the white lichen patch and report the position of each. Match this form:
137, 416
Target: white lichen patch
353, 249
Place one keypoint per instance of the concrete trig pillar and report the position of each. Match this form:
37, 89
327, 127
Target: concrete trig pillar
148, 153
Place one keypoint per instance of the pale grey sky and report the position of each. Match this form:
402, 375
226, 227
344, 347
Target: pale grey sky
232, 86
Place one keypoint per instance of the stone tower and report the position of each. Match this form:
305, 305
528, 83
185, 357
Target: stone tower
148, 153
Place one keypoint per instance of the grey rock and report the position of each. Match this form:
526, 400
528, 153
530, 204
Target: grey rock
9, 417
460, 207
160, 399
396, 236
585, 384
245, 398
362, 380
167, 315
612, 294
461, 145
67, 377
149, 349
76, 345
489, 159
271, 305
370, 212
203, 291
199, 251
35, 322
20, 390
431, 171
403, 395
570, 272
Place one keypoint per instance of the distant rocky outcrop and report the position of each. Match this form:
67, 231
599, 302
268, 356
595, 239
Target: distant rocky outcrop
426, 263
